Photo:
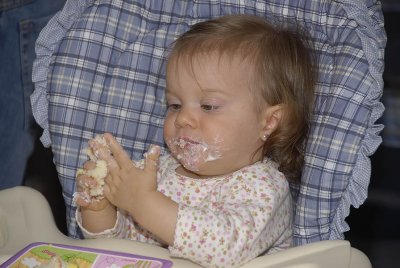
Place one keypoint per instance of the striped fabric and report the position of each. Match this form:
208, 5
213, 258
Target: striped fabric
100, 68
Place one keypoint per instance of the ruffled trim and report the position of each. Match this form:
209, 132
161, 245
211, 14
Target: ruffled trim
46, 44
373, 40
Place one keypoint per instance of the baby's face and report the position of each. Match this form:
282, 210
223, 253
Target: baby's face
212, 126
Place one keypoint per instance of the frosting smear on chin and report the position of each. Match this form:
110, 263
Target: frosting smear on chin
192, 154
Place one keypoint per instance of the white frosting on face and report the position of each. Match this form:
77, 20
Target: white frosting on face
192, 153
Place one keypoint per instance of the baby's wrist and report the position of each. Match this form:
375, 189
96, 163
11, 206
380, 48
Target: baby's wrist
96, 206
142, 200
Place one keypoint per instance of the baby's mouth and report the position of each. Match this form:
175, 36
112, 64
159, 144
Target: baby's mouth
185, 142
193, 152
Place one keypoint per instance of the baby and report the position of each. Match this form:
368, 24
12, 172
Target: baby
239, 97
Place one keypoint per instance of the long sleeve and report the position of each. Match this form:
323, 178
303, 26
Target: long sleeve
124, 228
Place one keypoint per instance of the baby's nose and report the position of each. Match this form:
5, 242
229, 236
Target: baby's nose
186, 118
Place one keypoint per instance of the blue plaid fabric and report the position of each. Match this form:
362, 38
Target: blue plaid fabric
100, 68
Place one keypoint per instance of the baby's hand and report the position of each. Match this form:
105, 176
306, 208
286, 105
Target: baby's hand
126, 183
90, 178
86, 185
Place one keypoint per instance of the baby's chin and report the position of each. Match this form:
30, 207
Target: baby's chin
203, 171
195, 174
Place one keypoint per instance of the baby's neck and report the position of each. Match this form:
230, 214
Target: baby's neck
181, 170
187, 173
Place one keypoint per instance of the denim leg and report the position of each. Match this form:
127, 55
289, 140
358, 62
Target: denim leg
20, 24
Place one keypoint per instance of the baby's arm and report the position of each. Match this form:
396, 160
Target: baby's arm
135, 191
96, 221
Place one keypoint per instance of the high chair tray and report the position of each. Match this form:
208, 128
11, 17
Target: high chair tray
58, 255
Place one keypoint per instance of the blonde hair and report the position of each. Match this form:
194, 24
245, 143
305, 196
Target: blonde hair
283, 74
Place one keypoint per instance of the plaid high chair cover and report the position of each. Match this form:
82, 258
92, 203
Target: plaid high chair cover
100, 67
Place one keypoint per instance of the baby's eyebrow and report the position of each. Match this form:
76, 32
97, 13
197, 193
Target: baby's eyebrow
169, 93
214, 91
211, 89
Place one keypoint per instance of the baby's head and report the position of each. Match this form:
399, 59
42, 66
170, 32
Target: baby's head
243, 70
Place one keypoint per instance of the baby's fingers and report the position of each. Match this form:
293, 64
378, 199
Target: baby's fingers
84, 182
152, 156
119, 154
89, 165
82, 202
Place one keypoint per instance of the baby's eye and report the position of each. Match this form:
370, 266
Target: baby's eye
207, 107
174, 107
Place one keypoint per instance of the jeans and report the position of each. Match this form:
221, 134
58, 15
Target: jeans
20, 25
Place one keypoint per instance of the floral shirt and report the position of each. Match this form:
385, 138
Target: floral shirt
223, 221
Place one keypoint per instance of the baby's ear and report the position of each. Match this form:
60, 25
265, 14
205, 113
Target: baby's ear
270, 120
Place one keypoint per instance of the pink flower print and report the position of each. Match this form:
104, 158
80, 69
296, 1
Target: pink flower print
250, 236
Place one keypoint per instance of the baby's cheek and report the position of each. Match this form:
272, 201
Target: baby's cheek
171, 147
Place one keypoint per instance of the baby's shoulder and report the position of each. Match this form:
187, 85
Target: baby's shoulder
264, 173
262, 170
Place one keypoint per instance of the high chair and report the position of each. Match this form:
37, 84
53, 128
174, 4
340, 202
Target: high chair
26, 217
100, 68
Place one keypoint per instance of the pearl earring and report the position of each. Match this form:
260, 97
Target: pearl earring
265, 137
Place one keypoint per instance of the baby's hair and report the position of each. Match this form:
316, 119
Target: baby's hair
283, 74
